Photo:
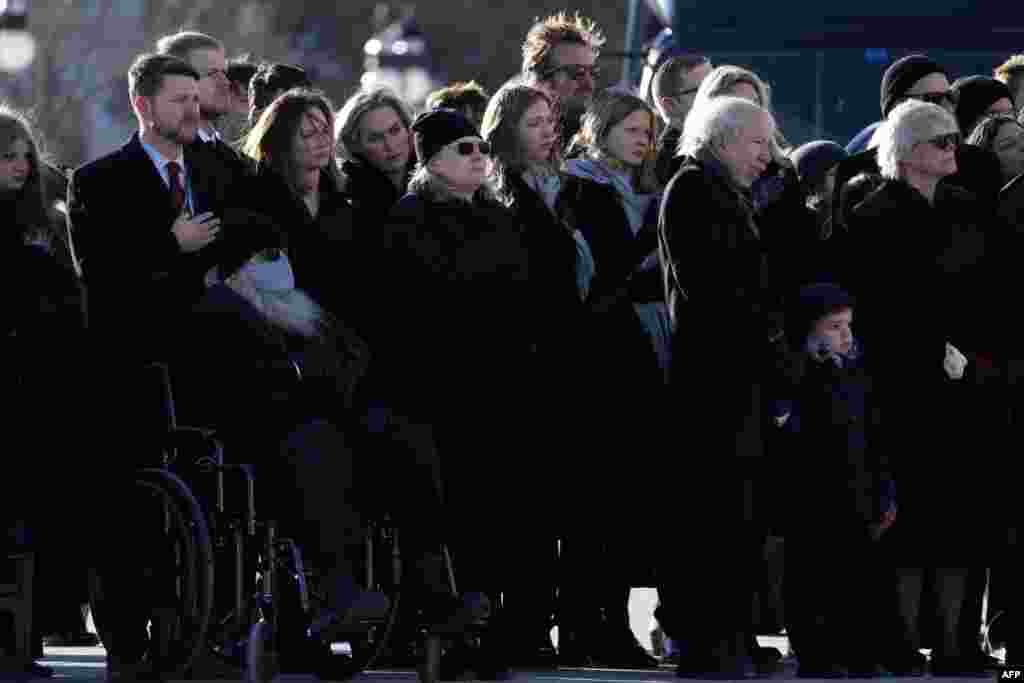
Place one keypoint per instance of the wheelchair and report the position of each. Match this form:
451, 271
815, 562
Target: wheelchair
238, 592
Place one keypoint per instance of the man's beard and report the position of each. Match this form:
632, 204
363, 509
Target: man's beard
175, 134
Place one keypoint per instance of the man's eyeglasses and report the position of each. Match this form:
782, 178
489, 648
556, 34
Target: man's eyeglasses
946, 141
467, 148
575, 72
939, 98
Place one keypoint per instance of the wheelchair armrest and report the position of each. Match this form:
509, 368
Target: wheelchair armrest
190, 439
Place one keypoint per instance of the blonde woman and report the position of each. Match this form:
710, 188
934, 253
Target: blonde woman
926, 245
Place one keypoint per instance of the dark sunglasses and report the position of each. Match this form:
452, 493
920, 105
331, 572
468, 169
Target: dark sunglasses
467, 148
576, 72
946, 141
938, 98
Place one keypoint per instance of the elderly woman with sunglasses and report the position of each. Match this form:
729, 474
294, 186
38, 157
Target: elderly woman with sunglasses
920, 282
920, 78
459, 340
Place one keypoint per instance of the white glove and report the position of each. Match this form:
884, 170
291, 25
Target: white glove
955, 362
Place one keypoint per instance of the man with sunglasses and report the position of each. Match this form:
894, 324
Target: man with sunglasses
559, 57
918, 77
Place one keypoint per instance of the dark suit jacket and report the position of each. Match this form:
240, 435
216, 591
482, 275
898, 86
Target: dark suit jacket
140, 282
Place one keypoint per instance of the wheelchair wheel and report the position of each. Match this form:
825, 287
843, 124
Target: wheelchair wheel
178, 630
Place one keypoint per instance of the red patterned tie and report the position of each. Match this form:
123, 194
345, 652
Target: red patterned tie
177, 191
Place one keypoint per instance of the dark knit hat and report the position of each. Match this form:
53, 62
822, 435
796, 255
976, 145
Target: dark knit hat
975, 94
434, 129
814, 159
813, 303
901, 76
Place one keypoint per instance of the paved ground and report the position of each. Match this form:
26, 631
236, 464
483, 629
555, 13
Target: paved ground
79, 665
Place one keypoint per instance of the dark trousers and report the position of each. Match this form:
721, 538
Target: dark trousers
833, 594
708, 578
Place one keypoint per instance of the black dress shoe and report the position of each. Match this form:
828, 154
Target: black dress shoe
817, 670
958, 667
542, 655
620, 650
911, 663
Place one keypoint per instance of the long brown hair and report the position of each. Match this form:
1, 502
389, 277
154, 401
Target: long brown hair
501, 128
31, 204
270, 141
604, 113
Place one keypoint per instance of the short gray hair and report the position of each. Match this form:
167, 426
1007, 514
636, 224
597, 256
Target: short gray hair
350, 116
910, 123
717, 120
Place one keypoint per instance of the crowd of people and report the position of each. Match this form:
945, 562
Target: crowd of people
520, 317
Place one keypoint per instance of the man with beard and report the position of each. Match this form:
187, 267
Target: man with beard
146, 220
141, 215
559, 57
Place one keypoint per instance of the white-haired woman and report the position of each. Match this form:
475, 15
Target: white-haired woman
919, 276
725, 338
457, 345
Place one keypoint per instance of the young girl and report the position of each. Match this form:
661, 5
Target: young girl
612, 196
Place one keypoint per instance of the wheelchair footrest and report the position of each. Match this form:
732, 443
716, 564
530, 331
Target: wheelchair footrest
369, 609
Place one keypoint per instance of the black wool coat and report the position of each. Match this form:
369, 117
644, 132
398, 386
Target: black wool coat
616, 331
371, 192
920, 282
728, 340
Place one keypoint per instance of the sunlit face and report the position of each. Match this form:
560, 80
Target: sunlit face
934, 157
571, 77
313, 141
748, 154
1008, 146
173, 112
836, 331
464, 173
384, 140
15, 166
630, 140
536, 130
214, 86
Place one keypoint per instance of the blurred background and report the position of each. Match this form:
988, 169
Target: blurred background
66, 60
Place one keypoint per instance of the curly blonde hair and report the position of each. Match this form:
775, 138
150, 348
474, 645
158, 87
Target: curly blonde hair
546, 34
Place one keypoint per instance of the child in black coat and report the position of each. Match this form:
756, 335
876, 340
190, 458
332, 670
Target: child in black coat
839, 495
